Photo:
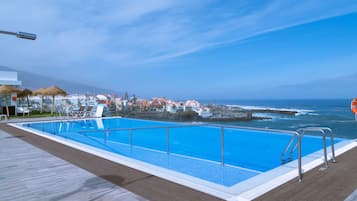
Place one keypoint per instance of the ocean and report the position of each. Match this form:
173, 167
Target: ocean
335, 114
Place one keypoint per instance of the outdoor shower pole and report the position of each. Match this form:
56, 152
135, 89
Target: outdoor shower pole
23, 35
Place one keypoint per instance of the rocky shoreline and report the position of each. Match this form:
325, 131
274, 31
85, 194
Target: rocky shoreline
220, 113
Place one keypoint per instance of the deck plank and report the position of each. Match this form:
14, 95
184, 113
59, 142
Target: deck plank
333, 184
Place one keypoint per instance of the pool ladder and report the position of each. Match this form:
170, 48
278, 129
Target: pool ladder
295, 143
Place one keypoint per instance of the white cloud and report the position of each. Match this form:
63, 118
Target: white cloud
125, 33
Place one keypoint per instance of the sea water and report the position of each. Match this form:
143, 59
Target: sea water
335, 114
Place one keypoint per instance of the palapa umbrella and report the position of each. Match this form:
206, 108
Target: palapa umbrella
7, 90
41, 92
25, 93
54, 91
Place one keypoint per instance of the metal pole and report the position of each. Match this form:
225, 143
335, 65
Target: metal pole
292, 152
299, 158
8, 32
23, 35
131, 137
332, 148
282, 157
106, 134
222, 145
325, 151
167, 141
53, 128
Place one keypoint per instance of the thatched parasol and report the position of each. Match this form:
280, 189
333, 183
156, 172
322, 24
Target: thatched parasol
7, 90
41, 92
25, 93
54, 91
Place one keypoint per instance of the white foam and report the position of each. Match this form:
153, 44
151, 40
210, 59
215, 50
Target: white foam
299, 111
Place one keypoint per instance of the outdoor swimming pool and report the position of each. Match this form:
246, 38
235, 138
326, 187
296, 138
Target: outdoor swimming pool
215, 155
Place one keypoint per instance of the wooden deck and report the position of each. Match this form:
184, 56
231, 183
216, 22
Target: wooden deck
28, 173
32, 174
333, 184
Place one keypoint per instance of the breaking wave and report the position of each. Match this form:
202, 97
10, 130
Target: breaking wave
299, 111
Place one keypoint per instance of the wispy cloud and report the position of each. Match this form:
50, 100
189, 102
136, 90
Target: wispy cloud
124, 33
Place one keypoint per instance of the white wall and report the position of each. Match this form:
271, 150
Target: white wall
9, 77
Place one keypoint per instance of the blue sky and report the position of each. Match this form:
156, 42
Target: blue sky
189, 49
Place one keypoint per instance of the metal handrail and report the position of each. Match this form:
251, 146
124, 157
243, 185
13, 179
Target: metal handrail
221, 126
167, 128
194, 125
141, 128
254, 128
295, 134
291, 141
322, 130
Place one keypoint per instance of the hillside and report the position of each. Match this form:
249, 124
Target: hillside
35, 81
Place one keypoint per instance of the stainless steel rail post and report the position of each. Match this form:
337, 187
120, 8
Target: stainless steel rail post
299, 157
332, 144
322, 130
131, 137
167, 141
222, 145
291, 141
325, 151
106, 134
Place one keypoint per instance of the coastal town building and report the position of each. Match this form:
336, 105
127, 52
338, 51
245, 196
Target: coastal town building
9, 78
204, 112
191, 105
74, 102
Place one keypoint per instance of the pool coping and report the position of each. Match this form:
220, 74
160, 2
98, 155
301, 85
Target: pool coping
245, 190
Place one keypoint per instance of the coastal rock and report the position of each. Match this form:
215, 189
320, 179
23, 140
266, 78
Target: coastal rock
272, 111
220, 113
227, 113
166, 116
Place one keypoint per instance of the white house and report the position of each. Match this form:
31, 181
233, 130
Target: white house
204, 112
191, 105
9, 78
171, 107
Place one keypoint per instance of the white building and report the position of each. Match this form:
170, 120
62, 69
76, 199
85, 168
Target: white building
171, 108
204, 112
191, 105
9, 78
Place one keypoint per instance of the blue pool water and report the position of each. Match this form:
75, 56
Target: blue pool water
195, 150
